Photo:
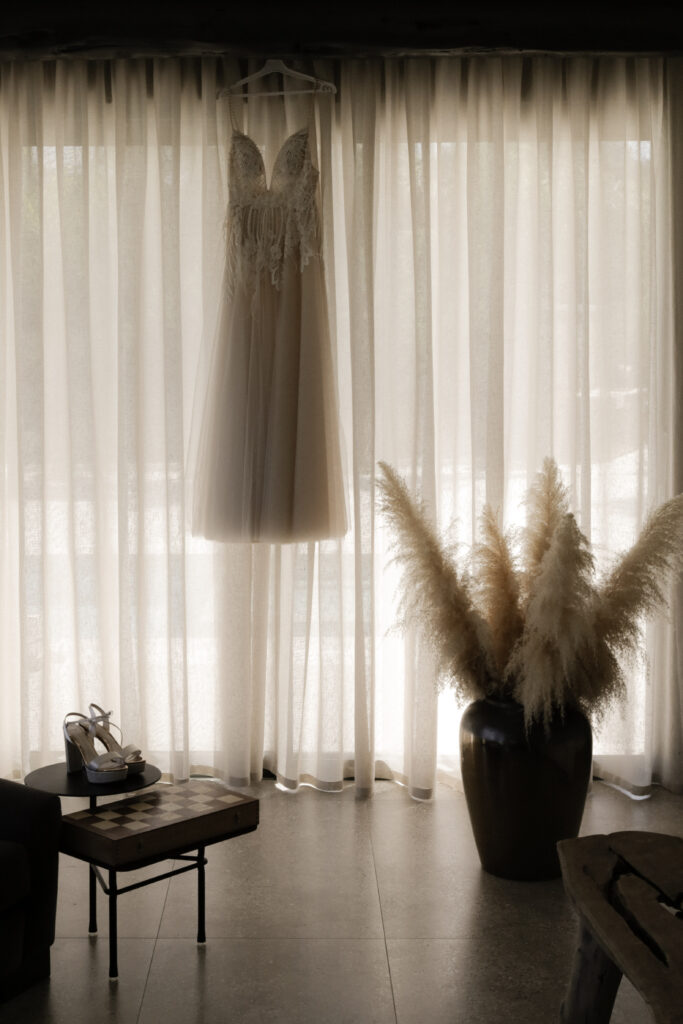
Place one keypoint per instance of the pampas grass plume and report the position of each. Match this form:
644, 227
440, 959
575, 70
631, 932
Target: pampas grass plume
545, 632
557, 626
636, 585
433, 592
497, 588
547, 502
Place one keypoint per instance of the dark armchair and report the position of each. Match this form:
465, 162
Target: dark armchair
30, 821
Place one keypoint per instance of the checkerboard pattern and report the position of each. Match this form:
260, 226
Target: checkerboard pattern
157, 823
160, 807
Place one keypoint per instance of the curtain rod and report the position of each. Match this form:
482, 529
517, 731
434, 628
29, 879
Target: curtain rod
138, 52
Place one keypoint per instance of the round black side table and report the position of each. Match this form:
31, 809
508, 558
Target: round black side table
54, 778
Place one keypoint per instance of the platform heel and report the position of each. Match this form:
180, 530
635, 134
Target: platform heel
100, 727
81, 755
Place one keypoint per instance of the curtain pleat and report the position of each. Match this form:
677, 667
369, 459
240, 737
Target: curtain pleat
498, 247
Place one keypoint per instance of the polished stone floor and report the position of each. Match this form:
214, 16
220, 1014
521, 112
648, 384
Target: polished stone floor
334, 910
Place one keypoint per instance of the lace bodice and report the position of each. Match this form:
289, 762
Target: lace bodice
269, 224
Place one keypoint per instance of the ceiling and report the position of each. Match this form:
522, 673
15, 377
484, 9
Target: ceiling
44, 27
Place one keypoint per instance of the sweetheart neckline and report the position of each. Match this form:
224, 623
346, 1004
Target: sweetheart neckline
243, 135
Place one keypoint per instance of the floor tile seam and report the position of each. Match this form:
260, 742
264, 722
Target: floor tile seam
91, 940
509, 931
433, 938
384, 933
274, 938
104, 936
288, 937
154, 947
271, 938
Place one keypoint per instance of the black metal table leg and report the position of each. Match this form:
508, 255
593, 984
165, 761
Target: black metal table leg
201, 896
92, 924
113, 959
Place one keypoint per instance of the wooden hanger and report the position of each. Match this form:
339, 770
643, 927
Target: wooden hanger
280, 68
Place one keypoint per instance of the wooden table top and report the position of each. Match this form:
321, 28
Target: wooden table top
628, 888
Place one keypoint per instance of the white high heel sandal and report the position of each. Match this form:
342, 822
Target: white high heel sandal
81, 754
100, 727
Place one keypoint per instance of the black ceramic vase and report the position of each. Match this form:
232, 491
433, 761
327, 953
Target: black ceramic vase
524, 791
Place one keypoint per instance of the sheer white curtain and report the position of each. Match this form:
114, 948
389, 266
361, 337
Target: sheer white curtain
498, 262
518, 212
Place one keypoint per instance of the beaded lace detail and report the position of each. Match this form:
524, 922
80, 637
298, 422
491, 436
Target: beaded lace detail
268, 225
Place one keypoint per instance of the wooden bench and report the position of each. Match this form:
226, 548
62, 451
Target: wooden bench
627, 888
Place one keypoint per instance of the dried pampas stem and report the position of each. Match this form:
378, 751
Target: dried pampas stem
557, 626
497, 588
433, 594
636, 585
547, 502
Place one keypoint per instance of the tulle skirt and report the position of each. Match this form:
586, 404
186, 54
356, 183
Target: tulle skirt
268, 462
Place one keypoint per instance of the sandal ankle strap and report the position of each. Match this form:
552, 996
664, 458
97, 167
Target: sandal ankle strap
103, 719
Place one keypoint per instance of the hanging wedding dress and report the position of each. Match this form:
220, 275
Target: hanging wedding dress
268, 460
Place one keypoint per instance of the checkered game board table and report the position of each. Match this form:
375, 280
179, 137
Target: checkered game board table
163, 823
168, 819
